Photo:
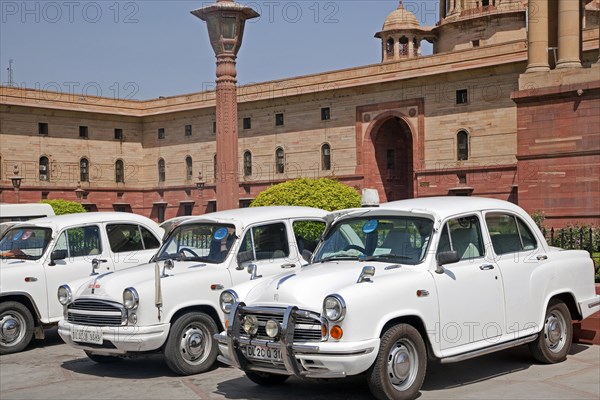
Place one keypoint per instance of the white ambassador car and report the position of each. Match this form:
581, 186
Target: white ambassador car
171, 305
37, 256
388, 288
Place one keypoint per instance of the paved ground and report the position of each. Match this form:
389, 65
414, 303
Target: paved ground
52, 370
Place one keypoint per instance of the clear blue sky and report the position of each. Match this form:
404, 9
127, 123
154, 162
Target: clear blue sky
151, 48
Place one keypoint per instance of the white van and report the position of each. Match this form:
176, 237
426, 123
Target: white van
24, 212
12, 213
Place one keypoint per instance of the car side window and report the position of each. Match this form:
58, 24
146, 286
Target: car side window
124, 237
509, 233
307, 234
265, 242
80, 241
150, 241
462, 235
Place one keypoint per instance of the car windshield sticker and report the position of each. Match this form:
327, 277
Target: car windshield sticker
370, 226
220, 234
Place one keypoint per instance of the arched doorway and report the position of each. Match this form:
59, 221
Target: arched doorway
393, 150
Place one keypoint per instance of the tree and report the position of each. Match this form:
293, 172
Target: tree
61, 206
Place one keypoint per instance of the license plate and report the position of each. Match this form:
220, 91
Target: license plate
88, 334
263, 353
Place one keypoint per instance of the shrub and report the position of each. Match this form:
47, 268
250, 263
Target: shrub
61, 206
326, 194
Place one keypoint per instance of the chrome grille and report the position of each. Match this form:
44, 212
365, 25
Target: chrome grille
96, 313
307, 328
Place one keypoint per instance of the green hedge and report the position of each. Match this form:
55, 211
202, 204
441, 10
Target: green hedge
61, 206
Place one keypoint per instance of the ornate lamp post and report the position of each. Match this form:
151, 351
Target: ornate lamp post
225, 20
16, 182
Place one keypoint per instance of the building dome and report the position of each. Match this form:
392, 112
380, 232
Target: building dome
400, 18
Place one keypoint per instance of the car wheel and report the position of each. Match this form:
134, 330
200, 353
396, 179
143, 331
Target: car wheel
97, 358
399, 370
554, 340
16, 327
190, 348
265, 378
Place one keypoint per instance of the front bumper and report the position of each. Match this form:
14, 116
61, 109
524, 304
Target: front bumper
119, 340
305, 360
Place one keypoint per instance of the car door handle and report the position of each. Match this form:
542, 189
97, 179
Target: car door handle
486, 267
542, 257
291, 265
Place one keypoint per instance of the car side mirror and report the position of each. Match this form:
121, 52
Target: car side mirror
307, 255
58, 255
253, 271
446, 257
242, 257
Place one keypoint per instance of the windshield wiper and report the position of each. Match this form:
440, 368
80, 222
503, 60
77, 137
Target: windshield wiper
386, 257
330, 258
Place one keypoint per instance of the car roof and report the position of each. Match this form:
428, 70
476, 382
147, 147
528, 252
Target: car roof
446, 206
252, 215
60, 221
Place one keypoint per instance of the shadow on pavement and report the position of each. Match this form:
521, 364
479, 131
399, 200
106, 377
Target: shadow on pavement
142, 367
52, 339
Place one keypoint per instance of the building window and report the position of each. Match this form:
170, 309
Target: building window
188, 208
462, 96
160, 213
389, 47
215, 167
462, 146
475, 43
279, 119
119, 171
189, 172
462, 178
44, 169
118, 134
280, 160
161, 170
391, 159
403, 46
325, 157
84, 170
214, 126
161, 133
83, 132
247, 123
188, 130
247, 163
325, 114
42, 128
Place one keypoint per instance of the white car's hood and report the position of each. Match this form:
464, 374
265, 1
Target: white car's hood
308, 287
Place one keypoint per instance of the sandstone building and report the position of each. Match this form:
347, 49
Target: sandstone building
507, 106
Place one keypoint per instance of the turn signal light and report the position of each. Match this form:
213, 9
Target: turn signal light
323, 330
227, 323
336, 332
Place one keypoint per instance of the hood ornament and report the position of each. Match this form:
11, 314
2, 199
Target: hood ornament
366, 274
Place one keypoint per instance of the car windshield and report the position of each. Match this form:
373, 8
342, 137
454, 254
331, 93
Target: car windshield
25, 243
398, 239
204, 242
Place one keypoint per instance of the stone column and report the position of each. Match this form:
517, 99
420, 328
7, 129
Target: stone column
537, 36
568, 34
442, 9
227, 133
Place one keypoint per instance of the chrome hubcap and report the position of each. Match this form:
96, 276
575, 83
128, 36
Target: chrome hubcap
402, 364
555, 332
193, 345
10, 329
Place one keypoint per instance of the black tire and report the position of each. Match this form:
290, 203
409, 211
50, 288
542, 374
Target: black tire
97, 358
190, 348
401, 342
266, 379
16, 327
554, 340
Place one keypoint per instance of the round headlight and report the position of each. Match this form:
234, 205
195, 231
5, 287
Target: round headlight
227, 299
250, 324
272, 328
64, 295
130, 298
334, 307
